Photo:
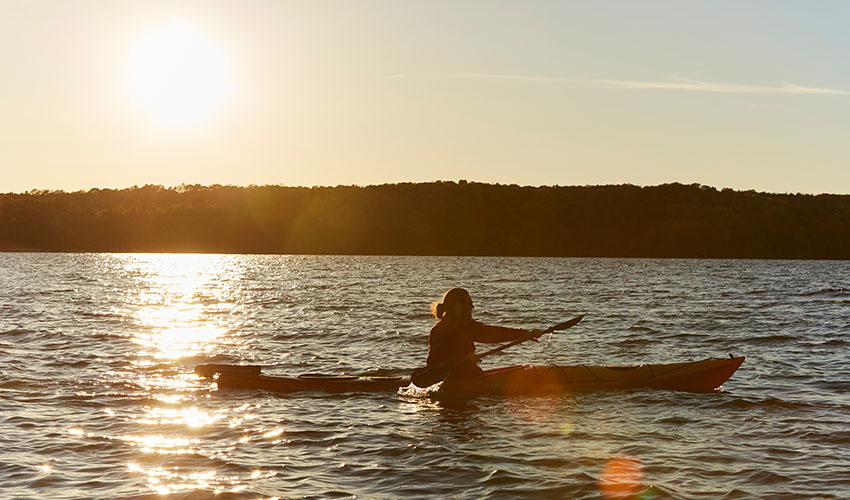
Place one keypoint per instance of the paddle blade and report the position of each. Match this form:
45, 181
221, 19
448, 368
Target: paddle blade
430, 375
566, 324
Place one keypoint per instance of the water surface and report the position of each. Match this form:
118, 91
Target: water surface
99, 401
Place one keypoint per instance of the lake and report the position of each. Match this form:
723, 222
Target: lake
99, 399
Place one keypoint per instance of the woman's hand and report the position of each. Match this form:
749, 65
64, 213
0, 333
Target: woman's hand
471, 359
534, 334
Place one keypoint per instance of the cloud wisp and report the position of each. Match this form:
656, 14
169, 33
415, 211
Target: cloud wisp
676, 84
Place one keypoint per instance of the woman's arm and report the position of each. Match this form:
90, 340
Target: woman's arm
492, 334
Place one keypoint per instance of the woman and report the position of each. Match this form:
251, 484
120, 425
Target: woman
453, 337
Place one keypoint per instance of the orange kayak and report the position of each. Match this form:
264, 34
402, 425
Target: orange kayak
695, 376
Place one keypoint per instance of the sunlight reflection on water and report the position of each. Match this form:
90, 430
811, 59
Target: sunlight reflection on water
168, 440
178, 296
191, 417
160, 444
183, 308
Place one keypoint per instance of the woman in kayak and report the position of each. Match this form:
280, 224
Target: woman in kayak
453, 337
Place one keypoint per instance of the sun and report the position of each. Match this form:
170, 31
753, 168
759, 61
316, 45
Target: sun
179, 76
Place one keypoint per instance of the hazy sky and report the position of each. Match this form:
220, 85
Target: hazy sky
740, 94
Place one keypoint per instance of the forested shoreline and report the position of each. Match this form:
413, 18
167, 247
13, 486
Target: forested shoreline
439, 218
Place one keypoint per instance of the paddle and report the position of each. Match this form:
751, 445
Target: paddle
430, 375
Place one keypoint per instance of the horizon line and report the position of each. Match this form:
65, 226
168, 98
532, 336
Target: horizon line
177, 187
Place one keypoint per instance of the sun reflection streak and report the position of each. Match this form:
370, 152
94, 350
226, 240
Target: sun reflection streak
273, 433
168, 389
192, 417
161, 445
165, 481
176, 333
183, 304
177, 308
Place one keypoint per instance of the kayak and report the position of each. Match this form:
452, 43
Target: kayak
695, 376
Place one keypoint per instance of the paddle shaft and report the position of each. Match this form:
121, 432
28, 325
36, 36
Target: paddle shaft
562, 326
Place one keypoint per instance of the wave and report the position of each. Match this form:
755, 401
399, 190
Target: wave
23, 385
643, 329
103, 315
635, 342
59, 291
17, 332
833, 292
774, 403
770, 338
60, 363
690, 336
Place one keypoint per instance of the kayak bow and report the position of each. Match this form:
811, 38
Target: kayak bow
695, 376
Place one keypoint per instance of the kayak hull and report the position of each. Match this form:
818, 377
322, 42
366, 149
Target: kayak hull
695, 376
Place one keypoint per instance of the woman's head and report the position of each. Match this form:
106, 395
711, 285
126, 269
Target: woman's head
456, 302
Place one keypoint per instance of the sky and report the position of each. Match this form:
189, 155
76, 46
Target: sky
745, 94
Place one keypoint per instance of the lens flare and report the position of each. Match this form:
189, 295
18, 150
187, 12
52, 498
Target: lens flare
622, 478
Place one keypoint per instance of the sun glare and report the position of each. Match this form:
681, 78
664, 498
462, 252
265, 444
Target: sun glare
179, 76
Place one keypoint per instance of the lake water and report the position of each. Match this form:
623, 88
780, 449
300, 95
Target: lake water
98, 399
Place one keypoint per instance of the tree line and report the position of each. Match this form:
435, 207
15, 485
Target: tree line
438, 218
